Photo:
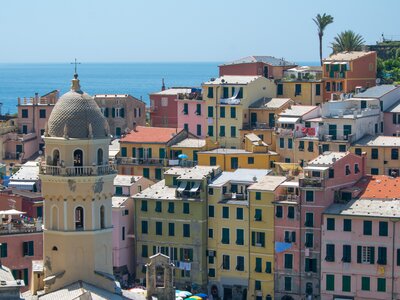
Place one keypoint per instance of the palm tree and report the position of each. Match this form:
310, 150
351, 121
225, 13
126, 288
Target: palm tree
347, 41
322, 22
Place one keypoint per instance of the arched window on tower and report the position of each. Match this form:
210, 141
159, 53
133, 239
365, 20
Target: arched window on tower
102, 217
78, 158
79, 218
99, 157
56, 157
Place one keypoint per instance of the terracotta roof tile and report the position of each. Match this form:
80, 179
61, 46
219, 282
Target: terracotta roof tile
379, 187
144, 134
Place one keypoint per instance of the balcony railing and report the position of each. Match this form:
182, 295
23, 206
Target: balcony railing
257, 125
190, 96
291, 198
12, 228
234, 196
77, 170
312, 182
162, 162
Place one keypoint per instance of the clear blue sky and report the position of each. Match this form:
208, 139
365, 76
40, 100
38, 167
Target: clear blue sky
182, 30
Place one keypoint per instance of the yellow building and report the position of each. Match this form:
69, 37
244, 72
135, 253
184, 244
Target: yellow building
228, 233
148, 151
171, 218
227, 99
262, 195
382, 154
77, 186
256, 155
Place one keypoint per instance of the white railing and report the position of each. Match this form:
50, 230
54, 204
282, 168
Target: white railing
77, 170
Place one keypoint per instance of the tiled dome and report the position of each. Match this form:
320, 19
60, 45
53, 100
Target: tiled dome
76, 115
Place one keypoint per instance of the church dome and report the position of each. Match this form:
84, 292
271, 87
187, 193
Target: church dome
76, 115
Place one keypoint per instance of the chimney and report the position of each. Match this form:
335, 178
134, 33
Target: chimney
163, 85
36, 98
134, 126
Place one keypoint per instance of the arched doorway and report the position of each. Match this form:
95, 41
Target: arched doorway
102, 220
99, 157
79, 218
56, 157
78, 158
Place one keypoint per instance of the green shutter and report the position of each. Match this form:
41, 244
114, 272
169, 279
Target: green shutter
381, 285
359, 250
365, 283
122, 113
149, 153
161, 153
346, 283
146, 172
372, 250
26, 276
258, 264
253, 238
233, 112
140, 152
330, 282
268, 267
123, 151
262, 239
113, 112
133, 152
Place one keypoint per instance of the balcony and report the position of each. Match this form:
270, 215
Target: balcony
257, 126
190, 96
160, 162
348, 138
288, 198
312, 182
77, 171
19, 227
234, 197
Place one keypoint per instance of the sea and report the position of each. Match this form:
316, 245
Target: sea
137, 79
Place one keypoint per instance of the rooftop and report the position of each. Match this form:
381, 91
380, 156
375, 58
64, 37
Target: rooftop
395, 108
190, 143
367, 208
232, 79
126, 180
156, 135
174, 91
28, 172
158, 191
297, 110
377, 91
380, 140
197, 172
379, 187
113, 148
268, 183
270, 103
328, 158
255, 140
347, 56
226, 151
114, 96
270, 60
247, 176
118, 201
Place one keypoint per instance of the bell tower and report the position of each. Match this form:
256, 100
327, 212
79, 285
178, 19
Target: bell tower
77, 186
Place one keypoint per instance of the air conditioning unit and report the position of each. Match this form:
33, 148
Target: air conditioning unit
211, 253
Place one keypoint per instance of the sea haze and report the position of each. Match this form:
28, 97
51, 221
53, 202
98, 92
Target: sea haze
137, 79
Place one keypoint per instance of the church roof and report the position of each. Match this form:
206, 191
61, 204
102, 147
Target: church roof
76, 115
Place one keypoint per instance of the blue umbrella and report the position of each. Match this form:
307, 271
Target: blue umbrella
204, 296
182, 156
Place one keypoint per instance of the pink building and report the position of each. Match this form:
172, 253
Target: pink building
298, 221
164, 107
191, 112
33, 114
391, 119
267, 66
20, 244
360, 245
123, 221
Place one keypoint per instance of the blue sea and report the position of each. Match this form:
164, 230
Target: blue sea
137, 79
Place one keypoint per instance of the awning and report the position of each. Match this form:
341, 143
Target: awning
12, 212
327, 62
288, 120
310, 168
195, 187
182, 186
22, 185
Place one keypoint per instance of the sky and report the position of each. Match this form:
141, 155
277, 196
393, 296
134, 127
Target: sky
182, 30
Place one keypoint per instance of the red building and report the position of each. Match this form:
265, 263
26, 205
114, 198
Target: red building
29, 202
345, 71
267, 66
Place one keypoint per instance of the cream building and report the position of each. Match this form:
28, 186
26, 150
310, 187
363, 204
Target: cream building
77, 186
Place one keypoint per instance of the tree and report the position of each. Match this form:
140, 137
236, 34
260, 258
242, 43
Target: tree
347, 41
322, 22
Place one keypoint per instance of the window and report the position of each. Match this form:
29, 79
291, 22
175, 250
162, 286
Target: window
222, 130
250, 160
146, 172
281, 143
365, 255
158, 228
297, 89
164, 101
225, 212
258, 239
346, 283
342, 148
381, 284
123, 233
171, 207
239, 213
279, 211
186, 230
145, 251
330, 224
367, 229
301, 145
225, 236
210, 92
79, 218
318, 89
222, 112
24, 113
288, 261
158, 206
347, 170
328, 87
347, 225
211, 272
290, 143
144, 205
357, 151
290, 214
42, 114
171, 229
211, 211
395, 153
365, 283
310, 147
28, 249
309, 220
210, 130
258, 268
3, 250
123, 151
210, 110
288, 284
374, 153
239, 237
145, 228
186, 127
225, 92
330, 282
330, 252
374, 171
290, 236
233, 112
309, 240
213, 161
310, 265
185, 108
258, 195
118, 190
225, 262
186, 208
346, 253
309, 196
382, 256
258, 215
240, 263
198, 129
233, 131
279, 91
383, 228
356, 169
